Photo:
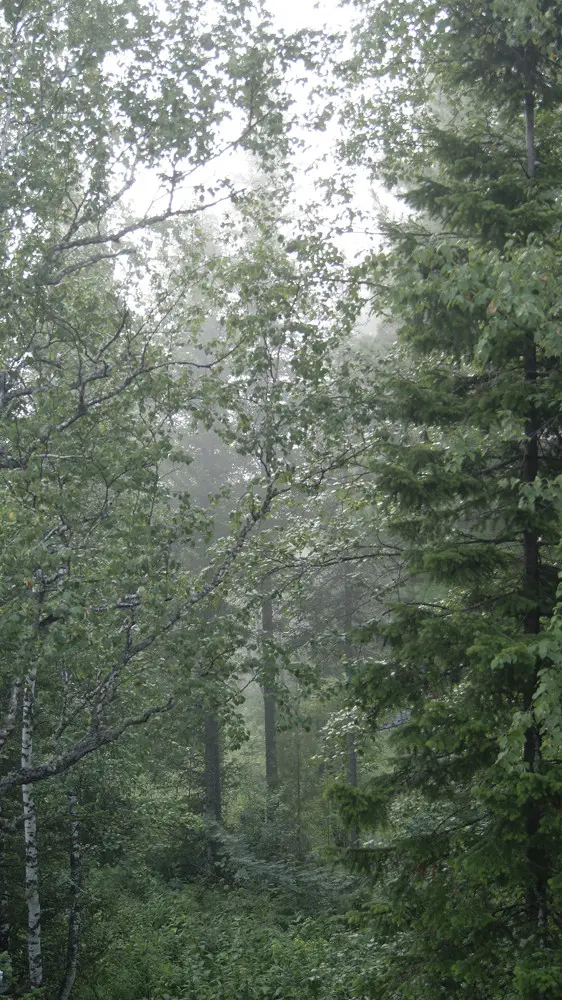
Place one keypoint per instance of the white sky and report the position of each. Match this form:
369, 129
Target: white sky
295, 14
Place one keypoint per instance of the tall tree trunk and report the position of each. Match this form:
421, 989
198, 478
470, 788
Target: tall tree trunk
213, 807
74, 916
30, 839
298, 733
8, 725
532, 751
351, 747
270, 711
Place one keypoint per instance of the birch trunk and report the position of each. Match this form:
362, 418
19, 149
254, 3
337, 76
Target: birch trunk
30, 839
5, 963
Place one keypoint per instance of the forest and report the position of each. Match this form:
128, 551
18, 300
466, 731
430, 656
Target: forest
280, 500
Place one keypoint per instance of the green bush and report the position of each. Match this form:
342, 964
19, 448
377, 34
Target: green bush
219, 943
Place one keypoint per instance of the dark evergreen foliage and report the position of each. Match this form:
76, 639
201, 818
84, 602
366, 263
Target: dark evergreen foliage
468, 856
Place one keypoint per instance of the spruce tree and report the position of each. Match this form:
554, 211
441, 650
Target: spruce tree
465, 123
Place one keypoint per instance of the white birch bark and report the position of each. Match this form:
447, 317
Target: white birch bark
30, 839
8, 725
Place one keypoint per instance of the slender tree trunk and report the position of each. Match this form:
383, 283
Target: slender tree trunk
300, 851
270, 712
212, 768
30, 839
351, 747
74, 916
532, 752
8, 725
530, 132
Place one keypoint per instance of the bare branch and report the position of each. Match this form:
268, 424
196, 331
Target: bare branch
93, 740
81, 265
145, 223
98, 737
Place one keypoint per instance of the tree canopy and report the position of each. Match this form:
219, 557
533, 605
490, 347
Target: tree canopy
277, 593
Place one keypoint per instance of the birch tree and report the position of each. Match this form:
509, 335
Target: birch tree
96, 362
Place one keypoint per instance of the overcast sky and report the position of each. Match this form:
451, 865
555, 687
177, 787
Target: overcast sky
291, 15
294, 14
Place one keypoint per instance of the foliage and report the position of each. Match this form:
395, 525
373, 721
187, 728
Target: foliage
102, 354
466, 835
191, 429
217, 943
